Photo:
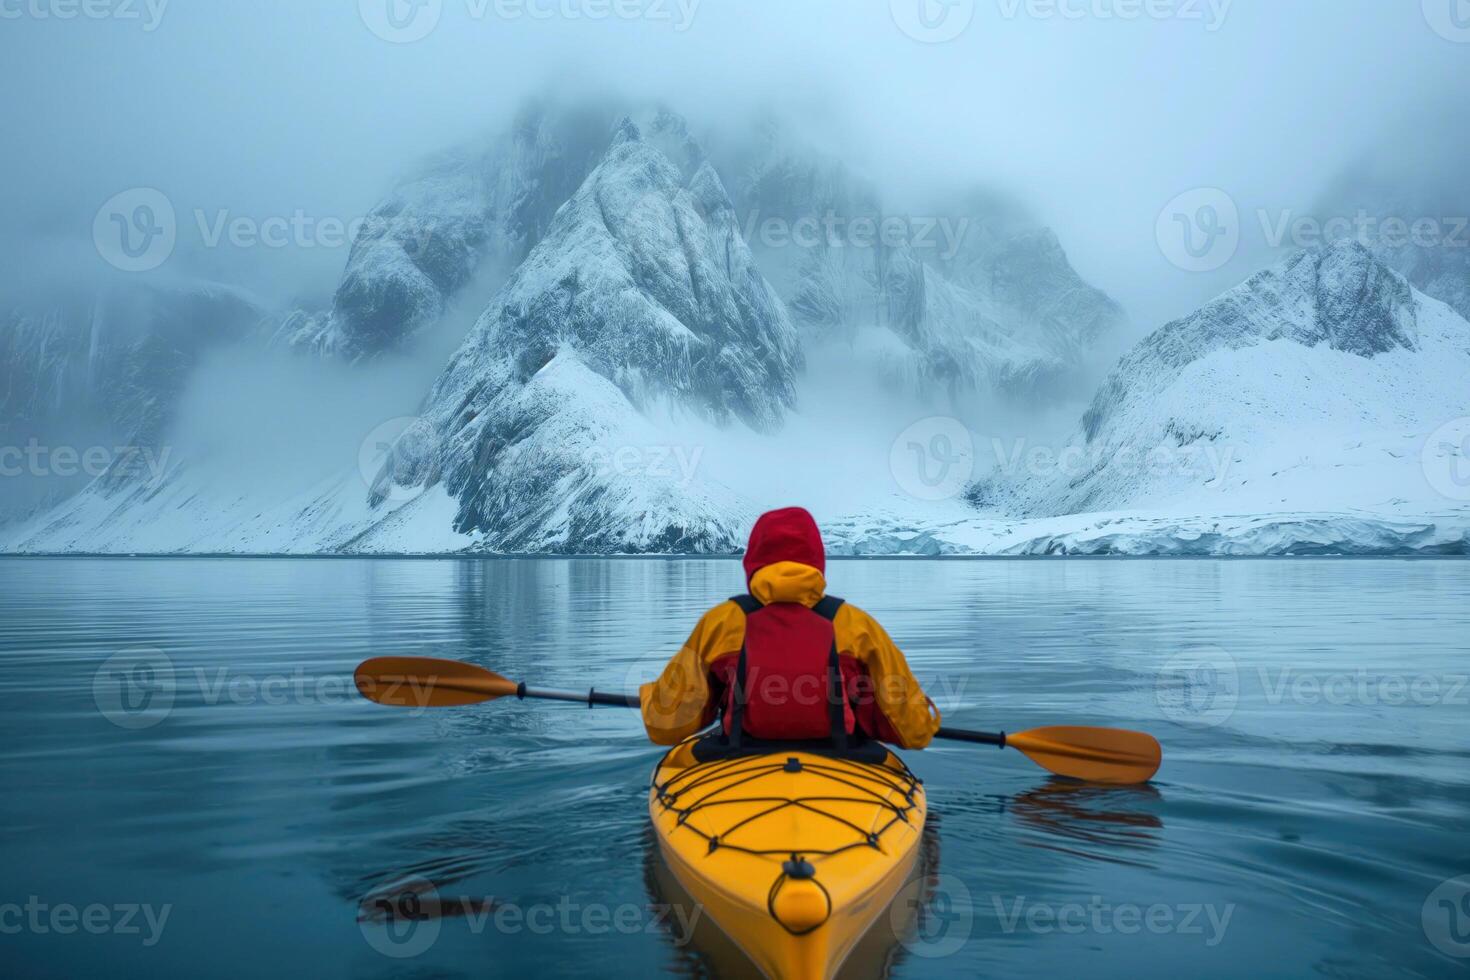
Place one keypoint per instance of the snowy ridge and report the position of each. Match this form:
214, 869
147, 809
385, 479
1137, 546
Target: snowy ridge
1311, 388
642, 294
1140, 534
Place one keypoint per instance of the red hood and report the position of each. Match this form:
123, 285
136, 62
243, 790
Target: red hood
789, 534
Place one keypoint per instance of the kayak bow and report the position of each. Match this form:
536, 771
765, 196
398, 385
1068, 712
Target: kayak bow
793, 854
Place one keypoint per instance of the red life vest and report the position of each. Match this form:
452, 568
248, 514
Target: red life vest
789, 682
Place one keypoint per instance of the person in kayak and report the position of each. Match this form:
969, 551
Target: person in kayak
787, 662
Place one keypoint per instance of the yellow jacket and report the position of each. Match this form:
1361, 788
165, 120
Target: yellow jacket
681, 702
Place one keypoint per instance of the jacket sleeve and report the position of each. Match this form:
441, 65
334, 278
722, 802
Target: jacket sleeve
900, 698
681, 702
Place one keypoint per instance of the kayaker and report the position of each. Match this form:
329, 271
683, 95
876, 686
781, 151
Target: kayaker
787, 662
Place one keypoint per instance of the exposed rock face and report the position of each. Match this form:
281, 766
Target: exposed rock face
960, 339
491, 199
982, 295
641, 296
1339, 297
105, 366
415, 251
1412, 210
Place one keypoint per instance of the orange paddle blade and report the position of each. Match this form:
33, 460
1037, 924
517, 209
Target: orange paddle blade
1098, 755
428, 682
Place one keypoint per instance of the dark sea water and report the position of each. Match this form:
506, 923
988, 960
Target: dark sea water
180, 739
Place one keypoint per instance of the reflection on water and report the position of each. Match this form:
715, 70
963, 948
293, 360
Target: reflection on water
290, 827
1104, 823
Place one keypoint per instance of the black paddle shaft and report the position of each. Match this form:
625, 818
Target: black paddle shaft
591, 698
595, 697
998, 739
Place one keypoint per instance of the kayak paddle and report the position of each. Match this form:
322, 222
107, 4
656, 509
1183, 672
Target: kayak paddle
1099, 755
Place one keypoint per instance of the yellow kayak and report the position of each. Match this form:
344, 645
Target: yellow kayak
794, 855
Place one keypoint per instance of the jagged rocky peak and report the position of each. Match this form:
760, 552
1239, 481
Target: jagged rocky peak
647, 278
641, 295
1360, 305
488, 199
415, 250
1407, 201
669, 131
1337, 296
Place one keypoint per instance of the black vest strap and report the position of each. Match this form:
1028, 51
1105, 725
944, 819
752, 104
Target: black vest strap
747, 603
827, 608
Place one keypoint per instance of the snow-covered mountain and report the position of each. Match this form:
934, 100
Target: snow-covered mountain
642, 298
1308, 390
641, 304
632, 326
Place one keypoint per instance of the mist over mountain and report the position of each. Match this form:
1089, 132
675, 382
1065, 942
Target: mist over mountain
1411, 207
584, 316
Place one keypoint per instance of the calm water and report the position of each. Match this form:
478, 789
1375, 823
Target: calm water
1315, 793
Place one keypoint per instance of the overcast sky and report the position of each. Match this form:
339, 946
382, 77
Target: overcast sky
274, 106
